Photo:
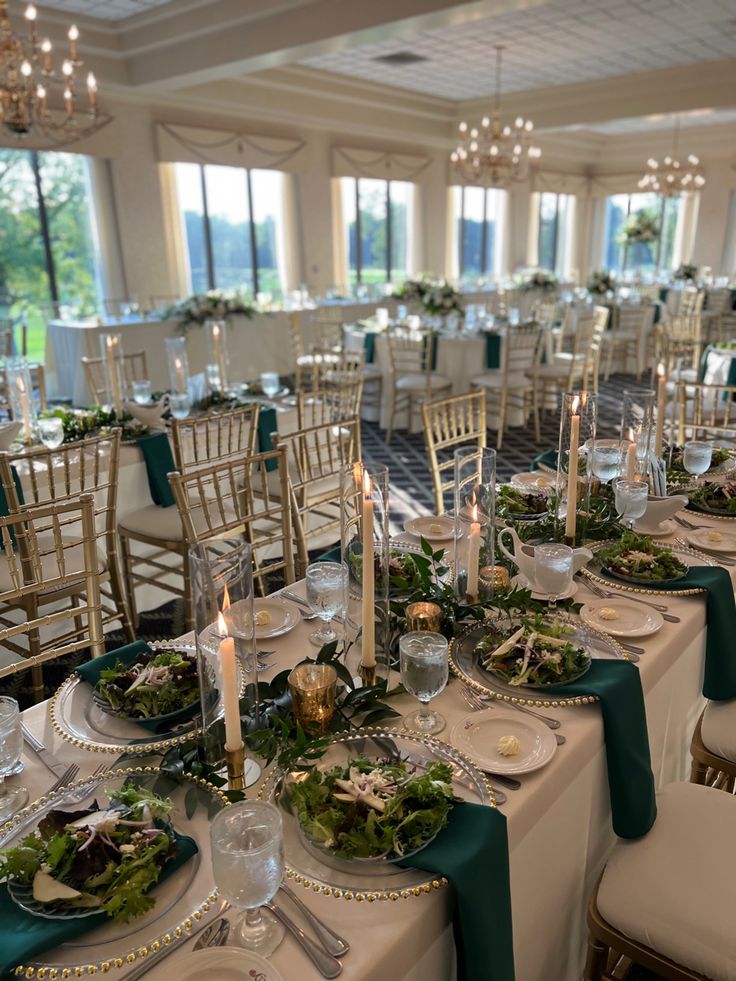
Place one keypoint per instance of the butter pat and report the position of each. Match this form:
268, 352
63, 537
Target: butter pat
436, 529
714, 536
263, 618
508, 746
608, 613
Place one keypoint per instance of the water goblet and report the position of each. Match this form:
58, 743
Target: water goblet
631, 499
270, 383
697, 457
424, 670
606, 459
51, 432
553, 570
248, 865
141, 392
12, 799
180, 406
327, 584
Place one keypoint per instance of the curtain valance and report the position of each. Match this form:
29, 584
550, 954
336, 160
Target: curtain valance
560, 183
193, 144
604, 185
381, 164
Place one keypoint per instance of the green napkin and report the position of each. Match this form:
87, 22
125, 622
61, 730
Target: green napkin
369, 344
333, 554
663, 294
91, 670
473, 853
432, 338
548, 458
159, 461
493, 350
28, 936
267, 424
630, 778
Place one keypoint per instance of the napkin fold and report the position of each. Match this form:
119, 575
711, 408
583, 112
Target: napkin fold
493, 350
159, 461
473, 853
267, 424
548, 458
23, 936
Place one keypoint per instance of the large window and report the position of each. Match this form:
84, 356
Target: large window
480, 219
647, 258
48, 258
556, 216
233, 223
377, 218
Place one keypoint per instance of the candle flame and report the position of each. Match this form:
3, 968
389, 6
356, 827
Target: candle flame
660, 370
631, 434
575, 404
216, 330
367, 484
20, 385
475, 512
221, 625
225, 600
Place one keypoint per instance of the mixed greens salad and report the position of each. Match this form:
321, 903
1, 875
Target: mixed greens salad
532, 652
373, 810
720, 498
404, 576
514, 503
96, 858
637, 558
156, 683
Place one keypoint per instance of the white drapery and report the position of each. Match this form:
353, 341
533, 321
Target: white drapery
177, 255
687, 220
105, 227
341, 272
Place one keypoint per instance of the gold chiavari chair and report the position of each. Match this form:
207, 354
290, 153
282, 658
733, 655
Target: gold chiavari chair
448, 424
716, 308
706, 412
307, 366
681, 344
349, 366
581, 366
40, 476
329, 404
630, 330
328, 331
160, 559
317, 456
513, 385
236, 497
44, 564
713, 747
411, 376
135, 368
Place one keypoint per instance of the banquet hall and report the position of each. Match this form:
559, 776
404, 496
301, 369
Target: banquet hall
368, 490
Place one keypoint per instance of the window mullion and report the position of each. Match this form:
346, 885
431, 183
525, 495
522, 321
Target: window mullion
45, 235
207, 233
388, 232
461, 243
252, 233
484, 234
358, 236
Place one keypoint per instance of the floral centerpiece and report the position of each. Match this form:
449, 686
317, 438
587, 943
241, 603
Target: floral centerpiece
686, 271
433, 296
601, 282
640, 228
213, 305
79, 424
540, 280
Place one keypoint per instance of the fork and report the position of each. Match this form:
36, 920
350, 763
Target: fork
67, 776
486, 701
684, 523
83, 791
720, 560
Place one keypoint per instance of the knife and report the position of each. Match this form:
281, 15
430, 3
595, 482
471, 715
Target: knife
48, 759
147, 963
300, 601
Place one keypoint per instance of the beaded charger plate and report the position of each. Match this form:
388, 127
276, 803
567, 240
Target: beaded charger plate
186, 897
465, 665
80, 718
594, 570
354, 584
363, 881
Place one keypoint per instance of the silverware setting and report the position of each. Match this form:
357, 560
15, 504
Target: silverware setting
144, 964
214, 935
262, 662
68, 775
607, 594
687, 524
47, 758
327, 965
633, 651
301, 602
332, 942
721, 560
488, 701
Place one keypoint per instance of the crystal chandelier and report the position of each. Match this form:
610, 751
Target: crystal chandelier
494, 156
26, 76
672, 177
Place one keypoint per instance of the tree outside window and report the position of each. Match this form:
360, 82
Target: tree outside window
555, 233
376, 218
479, 230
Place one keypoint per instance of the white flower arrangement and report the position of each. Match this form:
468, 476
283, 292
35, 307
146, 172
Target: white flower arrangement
640, 228
686, 271
213, 305
601, 282
434, 296
540, 280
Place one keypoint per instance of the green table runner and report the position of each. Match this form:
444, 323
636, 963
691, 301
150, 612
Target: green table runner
473, 853
159, 461
26, 936
369, 344
493, 350
630, 778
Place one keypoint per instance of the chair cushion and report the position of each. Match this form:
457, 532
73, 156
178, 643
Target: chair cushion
494, 379
674, 889
718, 730
73, 559
419, 382
164, 524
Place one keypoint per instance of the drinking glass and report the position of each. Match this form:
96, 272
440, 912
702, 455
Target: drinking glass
180, 406
327, 584
141, 392
697, 457
248, 865
631, 499
423, 659
606, 459
12, 799
553, 570
270, 383
51, 432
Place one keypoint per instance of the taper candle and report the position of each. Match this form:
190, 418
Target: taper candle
631, 457
368, 658
572, 472
229, 675
473, 553
24, 408
111, 350
661, 408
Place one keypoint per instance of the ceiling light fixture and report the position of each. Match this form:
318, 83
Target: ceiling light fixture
671, 176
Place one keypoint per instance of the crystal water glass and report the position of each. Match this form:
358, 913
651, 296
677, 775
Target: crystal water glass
270, 383
248, 866
327, 584
553, 570
424, 671
631, 500
51, 432
180, 406
697, 457
606, 459
141, 392
12, 799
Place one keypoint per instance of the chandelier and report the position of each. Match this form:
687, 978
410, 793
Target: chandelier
27, 75
671, 177
493, 156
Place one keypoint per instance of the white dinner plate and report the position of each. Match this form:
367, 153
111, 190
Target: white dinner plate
662, 530
284, 617
477, 737
223, 963
523, 583
423, 527
535, 480
634, 619
700, 539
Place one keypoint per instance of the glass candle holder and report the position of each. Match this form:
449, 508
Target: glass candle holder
216, 331
20, 396
176, 356
475, 509
578, 419
637, 427
364, 533
493, 579
111, 350
313, 688
423, 616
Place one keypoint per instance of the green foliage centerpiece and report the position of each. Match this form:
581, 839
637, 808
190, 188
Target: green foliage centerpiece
213, 305
430, 295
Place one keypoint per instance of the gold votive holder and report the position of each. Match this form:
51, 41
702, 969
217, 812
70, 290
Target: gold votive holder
493, 579
313, 689
235, 759
423, 616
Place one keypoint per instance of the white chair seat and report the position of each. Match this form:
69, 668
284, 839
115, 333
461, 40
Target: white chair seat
718, 729
674, 889
566, 357
554, 370
73, 560
419, 382
372, 371
164, 524
494, 379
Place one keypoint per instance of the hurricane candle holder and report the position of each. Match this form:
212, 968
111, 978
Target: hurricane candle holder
364, 531
313, 688
637, 424
423, 616
20, 396
217, 348
222, 592
577, 430
176, 355
475, 510
111, 348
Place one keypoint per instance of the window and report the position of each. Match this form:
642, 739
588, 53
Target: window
648, 258
556, 214
48, 255
233, 222
480, 216
377, 216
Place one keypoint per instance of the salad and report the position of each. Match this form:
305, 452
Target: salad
715, 497
404, 576
534, 652
367, 810
637, 558
514, 503
94, 858
156, 683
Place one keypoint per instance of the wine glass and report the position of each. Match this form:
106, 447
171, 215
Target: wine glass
270, 383
12, 799
423, 660
51, 432
606, 459
553, 570
248, 865
327, 584
697, 457
141, 392
631, 499
180, 405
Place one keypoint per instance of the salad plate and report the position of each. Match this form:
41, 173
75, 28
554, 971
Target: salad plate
535, 481
274, 617
514, 504
186, 896
478, 736
223, 963
435, 528
323, 871
164, 677
671, 564
621, 618
718, 500
533, 652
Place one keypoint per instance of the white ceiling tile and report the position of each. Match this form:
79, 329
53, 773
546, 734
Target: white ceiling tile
106, 9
